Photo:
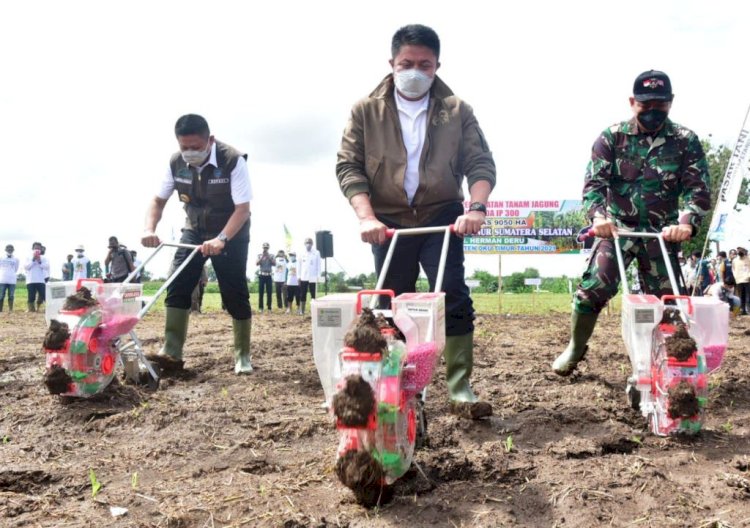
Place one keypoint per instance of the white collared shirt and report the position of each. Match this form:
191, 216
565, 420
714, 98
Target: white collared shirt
8, 269
242, 191
413, 118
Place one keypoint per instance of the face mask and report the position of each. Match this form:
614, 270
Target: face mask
412, 83
652, 119
294, 259
79, 253
195, 157
308, 246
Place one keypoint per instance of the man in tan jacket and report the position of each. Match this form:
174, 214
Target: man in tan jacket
403, 157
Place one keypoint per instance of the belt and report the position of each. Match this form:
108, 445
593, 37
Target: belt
265, 274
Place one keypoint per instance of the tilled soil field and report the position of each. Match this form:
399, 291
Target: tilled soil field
210, 449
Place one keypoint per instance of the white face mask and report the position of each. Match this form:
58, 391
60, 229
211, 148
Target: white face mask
196, 158
412, 83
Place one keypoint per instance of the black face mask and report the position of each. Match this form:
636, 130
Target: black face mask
652, 119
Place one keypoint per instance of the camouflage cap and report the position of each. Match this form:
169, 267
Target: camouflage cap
652, 85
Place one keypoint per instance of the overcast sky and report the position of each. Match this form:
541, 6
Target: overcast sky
91, 91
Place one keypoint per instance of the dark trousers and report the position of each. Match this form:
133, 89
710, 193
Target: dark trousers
743, 292
11, 289
424, 250
265, 284
292, 294
35, 292
304, 287
280, 300
230, 267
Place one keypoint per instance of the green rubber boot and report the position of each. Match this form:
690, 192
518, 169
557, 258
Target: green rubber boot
242, 329
169, 357
459, 360
581, 327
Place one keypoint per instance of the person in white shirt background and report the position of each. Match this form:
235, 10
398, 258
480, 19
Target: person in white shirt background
8, 277
292, 283
81, 265
37, 271
279, 278
309, 271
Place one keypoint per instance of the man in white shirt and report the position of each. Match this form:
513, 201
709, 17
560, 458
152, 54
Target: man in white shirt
279, 278
292, 283
81, 265
37, 271
8, 277
212, 181
309, 271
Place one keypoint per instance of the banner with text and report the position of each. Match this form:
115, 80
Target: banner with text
531, 226
736, 179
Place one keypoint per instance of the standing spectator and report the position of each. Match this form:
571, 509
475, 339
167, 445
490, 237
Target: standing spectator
46, 273
741, 272
265, 279
309, 271
119, 261
279, 278
37, 268
81, 265
703, 277
724, 267
690, 271
67, 268
136, 264
292, 283
8, 277
197, 297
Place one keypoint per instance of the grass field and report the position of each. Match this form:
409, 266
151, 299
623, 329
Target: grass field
484, 303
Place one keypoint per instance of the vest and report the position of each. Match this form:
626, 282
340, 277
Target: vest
208, 195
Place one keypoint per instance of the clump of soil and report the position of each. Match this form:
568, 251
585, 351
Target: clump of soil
56, 336
671, 316
680, 345
472, 410
354, 403
361, 473
682, 401
57, 380
167, 365
80, 299
365, 335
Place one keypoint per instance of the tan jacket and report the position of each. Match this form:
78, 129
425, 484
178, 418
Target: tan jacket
372, 157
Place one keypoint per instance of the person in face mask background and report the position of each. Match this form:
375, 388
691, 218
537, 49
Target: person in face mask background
741, 272
292, 283
638, 173
212, 180
404, 155
81, 265
309, 273
8, 277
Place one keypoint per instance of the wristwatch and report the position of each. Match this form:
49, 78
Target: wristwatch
477, 206
222, 237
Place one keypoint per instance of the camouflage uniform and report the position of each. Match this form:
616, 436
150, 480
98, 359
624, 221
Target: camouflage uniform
636, 180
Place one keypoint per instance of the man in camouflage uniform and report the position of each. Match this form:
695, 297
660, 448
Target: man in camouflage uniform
638, 172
